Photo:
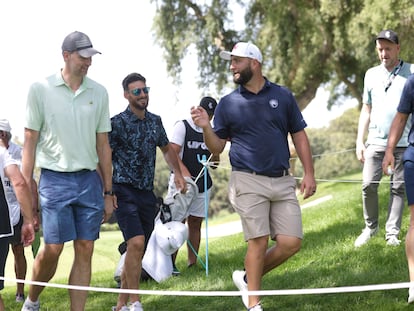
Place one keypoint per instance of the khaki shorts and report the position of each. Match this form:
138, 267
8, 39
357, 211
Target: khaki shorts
266, 205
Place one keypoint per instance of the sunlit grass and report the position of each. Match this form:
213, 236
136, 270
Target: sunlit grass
327, 259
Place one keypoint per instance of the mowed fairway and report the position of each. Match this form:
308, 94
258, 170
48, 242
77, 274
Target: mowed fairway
105, 257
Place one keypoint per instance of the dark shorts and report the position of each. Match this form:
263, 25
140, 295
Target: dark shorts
409, 174
4, 251
136, 211
16, 239
72, 205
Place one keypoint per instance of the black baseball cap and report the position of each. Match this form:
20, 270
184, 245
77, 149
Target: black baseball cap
209, 104
389, 35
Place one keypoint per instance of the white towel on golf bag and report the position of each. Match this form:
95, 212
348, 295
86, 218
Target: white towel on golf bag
165, 240
180, 202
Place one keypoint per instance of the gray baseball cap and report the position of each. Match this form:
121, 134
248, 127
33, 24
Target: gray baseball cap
79, 42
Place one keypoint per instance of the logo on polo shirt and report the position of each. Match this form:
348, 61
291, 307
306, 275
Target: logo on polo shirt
273, 103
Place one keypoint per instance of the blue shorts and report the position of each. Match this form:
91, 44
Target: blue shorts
4, 251
409, 174
72, 205
136, 211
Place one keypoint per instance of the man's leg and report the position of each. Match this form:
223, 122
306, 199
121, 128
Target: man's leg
254, 264
131, 273
80, 273
20, 266
397, 197
409, 251
409, 244
1, 304
260, 260
4, 250
194, 236
371, 173
44, 268
285, 247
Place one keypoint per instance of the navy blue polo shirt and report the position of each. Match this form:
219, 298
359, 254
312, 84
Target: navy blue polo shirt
406, 104
257, 126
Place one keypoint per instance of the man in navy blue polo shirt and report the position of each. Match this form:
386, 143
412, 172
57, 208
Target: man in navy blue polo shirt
257, 118
405, 109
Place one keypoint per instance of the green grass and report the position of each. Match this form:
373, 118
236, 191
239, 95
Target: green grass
327, 259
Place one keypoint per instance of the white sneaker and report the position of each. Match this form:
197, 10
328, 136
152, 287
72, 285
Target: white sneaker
136, 306
238, 280
257, 307
411, 293
124, 308
365, 236
30, 306
393, 241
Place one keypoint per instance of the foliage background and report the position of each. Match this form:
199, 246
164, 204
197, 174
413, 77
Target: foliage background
306, 44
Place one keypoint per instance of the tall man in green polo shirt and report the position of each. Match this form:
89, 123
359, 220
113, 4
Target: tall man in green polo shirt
66, 132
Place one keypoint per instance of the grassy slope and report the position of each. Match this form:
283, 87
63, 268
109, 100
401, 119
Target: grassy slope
327, 259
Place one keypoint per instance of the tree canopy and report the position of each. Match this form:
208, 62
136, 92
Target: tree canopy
306, 44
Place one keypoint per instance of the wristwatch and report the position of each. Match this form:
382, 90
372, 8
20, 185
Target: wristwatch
110, 192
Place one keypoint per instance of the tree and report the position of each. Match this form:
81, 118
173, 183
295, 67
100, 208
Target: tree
333, 147
306, 44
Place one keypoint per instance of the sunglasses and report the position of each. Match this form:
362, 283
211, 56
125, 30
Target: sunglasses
137, 91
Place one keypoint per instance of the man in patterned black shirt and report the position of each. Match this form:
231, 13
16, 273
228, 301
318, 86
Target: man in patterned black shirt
136, 134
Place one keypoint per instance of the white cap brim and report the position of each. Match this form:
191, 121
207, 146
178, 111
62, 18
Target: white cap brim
226, 55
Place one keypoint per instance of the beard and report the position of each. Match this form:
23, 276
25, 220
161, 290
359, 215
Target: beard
140, 104
244, 76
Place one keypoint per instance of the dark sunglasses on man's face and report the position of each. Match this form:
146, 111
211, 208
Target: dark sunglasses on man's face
137, 91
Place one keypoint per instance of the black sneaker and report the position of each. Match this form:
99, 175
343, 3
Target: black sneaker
20, 297
175, 271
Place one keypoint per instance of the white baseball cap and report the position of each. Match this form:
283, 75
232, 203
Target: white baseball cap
243, 49
170, 236
5, 125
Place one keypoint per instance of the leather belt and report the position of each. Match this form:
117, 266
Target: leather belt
75, 172
274, 175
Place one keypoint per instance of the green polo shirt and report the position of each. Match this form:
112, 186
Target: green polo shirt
67, 122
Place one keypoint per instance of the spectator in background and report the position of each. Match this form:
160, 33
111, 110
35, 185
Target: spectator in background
9, 168
20, 263
187, 142
398, 126
136, 134
257, 118
383, 85
66, 133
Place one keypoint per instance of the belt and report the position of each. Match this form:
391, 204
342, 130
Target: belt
80, 171
275, 174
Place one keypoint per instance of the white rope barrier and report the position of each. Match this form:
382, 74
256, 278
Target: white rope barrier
359, 181
280, 292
